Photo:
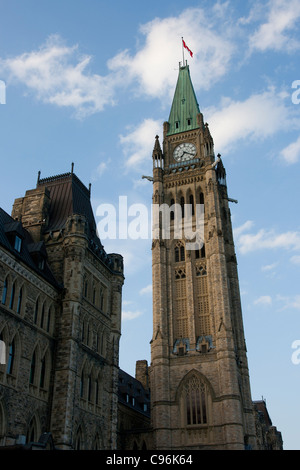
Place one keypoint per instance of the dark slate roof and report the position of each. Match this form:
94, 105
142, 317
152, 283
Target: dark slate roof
130, 388
68, 196
8, 228
261, 407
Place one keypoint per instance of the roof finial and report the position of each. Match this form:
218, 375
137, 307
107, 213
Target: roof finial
72, 167
38, 179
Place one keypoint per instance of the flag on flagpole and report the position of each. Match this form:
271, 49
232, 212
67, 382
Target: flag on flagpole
186, 47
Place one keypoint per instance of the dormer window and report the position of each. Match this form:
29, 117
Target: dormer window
42, 264
15, 235
38, 254
18, 244
177, 125
189, 121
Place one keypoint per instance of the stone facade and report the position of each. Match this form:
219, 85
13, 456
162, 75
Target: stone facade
199, 377
63, 326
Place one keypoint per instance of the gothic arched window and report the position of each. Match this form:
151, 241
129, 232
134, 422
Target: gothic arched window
201, 198
4, 292
182, 206
42, 315
20, 297
179, 252
195, 398
43, 372
32, 368
11, 358
192, 204
12, 296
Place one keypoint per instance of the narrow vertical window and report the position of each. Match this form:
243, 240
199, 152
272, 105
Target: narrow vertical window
32, 369
11, 358
101, 299
176, 254
172, 212
48, 320
36, 311
12, 296
89, 388
42, 316
4, 292
201, 198
43, 372
192, 204
182, 253
19, 306
96, 392
81, 385
182, 206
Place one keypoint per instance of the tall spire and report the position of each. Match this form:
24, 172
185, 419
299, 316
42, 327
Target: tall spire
185, 108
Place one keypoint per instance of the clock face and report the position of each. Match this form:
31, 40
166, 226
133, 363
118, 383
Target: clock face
184, 152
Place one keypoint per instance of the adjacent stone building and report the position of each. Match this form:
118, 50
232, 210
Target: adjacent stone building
60, 319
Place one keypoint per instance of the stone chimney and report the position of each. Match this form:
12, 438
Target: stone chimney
141, 373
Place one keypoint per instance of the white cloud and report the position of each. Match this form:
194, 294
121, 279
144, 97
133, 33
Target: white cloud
237, 231
131, 315
101, 168
263, 300
136, 144
153, 66
269, 267
258, 117
265, 239
289, 302
59, 75
295, 259
291, 153
146, 290
276, 32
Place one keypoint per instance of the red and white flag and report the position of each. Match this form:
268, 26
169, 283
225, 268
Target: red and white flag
186, 47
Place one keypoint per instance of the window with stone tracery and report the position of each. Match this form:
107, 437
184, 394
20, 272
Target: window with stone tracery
195, 398
179, 253
180, 304
203, 326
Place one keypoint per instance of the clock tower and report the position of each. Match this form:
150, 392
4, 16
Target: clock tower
199, 378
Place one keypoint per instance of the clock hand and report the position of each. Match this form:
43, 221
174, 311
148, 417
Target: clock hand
188, 154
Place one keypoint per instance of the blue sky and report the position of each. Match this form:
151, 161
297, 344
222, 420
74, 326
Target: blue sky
92, 83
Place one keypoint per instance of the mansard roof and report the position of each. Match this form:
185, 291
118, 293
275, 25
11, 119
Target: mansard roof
185, 108
69, 196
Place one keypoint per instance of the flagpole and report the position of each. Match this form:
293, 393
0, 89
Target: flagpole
182, 52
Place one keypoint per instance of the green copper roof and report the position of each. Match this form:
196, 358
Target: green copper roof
184, 110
